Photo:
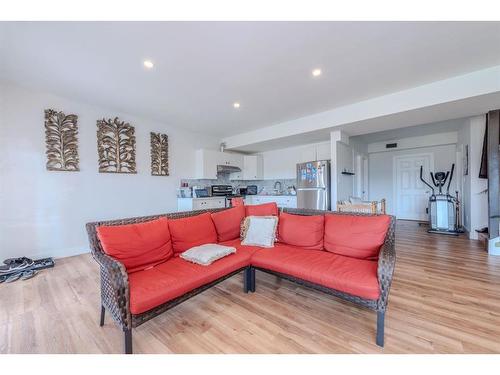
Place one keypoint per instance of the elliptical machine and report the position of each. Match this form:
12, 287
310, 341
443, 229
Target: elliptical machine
444, 209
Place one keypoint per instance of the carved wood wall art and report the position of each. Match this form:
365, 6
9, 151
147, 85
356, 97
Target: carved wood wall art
159, 154
61, 139
116, 146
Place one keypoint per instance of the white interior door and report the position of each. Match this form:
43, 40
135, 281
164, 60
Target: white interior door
362, 176
365, 179
410, 194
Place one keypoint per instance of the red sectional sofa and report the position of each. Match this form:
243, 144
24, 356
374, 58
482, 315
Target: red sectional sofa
142, 275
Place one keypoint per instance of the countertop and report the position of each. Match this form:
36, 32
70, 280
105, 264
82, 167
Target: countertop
274, 195
200, 197
252, 195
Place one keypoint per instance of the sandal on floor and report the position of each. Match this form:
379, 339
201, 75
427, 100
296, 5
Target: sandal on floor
15, 264
13, 277
28, 274
17, 261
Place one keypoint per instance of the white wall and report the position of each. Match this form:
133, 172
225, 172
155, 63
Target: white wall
43, 213
381, 171
463, 139
475, 202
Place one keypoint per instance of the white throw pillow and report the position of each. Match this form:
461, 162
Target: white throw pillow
259, 231
207, 254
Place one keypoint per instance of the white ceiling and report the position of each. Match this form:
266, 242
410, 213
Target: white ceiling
201, 68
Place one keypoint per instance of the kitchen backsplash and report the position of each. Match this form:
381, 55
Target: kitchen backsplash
223, 179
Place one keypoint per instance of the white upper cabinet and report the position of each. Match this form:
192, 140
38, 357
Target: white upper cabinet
231, 159
206, 164
253, 169
282, 164
324, 151
208, 160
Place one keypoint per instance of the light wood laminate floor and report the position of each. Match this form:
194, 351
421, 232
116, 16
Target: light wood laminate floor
445, 298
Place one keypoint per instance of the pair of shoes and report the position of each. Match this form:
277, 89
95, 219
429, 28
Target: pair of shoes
14, 265
22, 275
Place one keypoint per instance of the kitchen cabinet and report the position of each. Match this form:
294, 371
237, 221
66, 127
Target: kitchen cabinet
208, 160
253, 169
193, 204
324, 151
282, 164
230, 159
284, 201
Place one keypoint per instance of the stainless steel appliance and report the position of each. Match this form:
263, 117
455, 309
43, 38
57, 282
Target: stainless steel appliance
200, 192
252, 189
221, 190
313, 185
224, 191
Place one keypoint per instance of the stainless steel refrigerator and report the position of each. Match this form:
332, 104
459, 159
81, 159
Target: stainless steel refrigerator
313, 185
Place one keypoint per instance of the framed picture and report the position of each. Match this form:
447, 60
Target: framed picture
466, 161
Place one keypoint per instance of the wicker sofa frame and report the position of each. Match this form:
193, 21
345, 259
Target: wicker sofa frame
115, 295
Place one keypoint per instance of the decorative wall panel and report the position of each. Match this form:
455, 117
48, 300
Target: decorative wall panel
116, 146
159, 154
61, 139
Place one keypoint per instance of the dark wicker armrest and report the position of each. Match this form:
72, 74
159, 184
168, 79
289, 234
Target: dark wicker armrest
115, 295
386, 263
114, 288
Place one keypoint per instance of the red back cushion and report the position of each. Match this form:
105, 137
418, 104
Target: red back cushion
356, 236
266, 209
137, 246
235, 202
303, 231
192, 231
227, 223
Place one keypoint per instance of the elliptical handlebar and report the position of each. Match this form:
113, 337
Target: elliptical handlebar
422, 178
451, 177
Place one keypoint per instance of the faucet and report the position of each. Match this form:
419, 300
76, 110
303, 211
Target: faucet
276, 184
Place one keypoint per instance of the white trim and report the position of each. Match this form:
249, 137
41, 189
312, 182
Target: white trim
394, 176
439, 139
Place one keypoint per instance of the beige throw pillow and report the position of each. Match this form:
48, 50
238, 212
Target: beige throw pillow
207, 254
259, 231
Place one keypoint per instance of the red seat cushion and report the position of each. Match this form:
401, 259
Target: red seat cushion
228, 222
192, 231
237, 244
302, 231
356, 236
357, 277
176, 277
137, 246
265, 209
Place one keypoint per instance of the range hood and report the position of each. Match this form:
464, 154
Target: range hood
227, 169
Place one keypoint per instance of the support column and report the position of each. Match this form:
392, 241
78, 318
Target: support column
493, 130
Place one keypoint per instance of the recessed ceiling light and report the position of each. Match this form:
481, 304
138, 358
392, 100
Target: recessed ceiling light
148, 64
316, 72
236, 105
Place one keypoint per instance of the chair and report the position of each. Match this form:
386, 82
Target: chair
357, 205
